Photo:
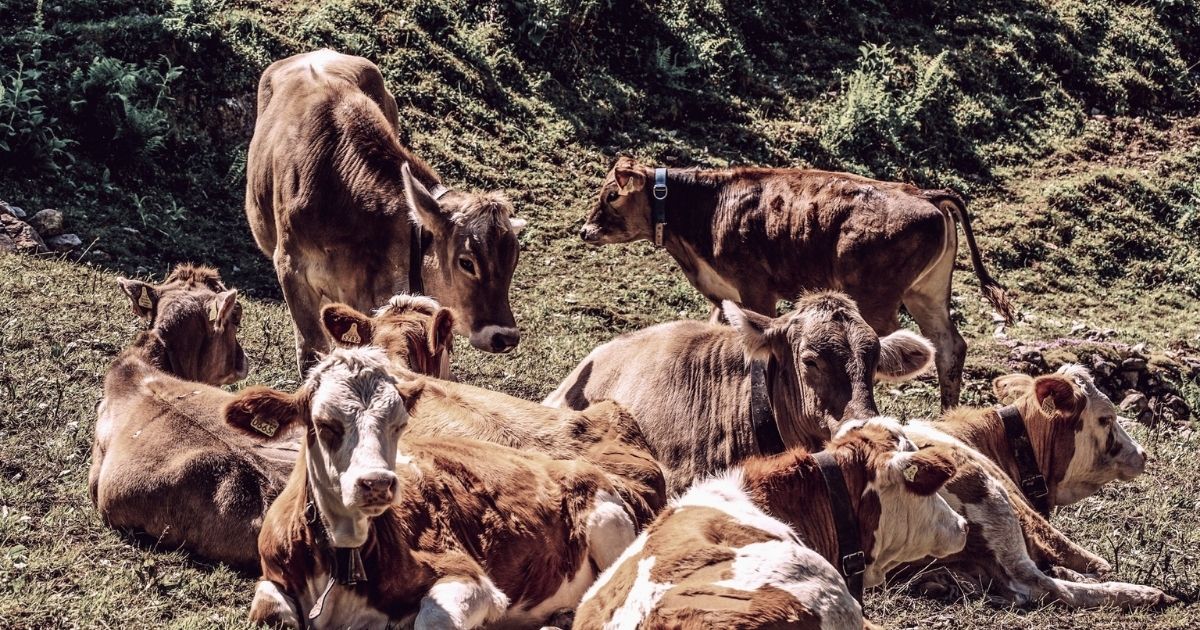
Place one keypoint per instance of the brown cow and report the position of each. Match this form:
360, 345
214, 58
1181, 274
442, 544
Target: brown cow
687, 384
455, 534
164, 463
1078, 445
756, 236
332, 197
604, 433
753, 548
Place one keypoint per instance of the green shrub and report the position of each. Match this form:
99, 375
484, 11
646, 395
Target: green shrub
121, 107
30, 137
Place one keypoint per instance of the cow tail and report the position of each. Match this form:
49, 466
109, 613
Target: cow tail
993, 291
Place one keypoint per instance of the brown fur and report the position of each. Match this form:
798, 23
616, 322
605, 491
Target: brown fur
326, 200
757, 235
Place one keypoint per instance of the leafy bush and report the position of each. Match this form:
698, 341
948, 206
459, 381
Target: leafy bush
121, 109
29, 135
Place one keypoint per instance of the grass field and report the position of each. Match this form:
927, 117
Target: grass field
1073, 126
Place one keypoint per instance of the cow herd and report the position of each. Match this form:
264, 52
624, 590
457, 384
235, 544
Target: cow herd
733, 473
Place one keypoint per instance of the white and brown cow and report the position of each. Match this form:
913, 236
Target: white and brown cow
455, 533
332, 198
756, 546
688, 385
1078, 445
759, 235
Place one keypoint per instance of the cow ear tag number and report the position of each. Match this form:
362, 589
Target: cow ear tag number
351, 335
265, 426
144, 300
910, 472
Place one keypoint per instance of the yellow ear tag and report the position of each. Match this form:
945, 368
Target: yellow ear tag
213, 312
351, 336
265, 426
1048, 407
144, 301
910, 473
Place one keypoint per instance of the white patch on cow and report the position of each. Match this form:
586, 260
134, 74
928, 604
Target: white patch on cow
642, 598
609, 529
631, 551
343, 607
459, 604
517, 224
708, 281
1092, 465
270, 603
404, 302
318, 60
726, 492
800, 572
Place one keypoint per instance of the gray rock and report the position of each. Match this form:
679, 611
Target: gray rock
23, 235
7, 246
1133, 363
1130, 377
1139, 349
1134, 403
48, 222
5, 208
63, 242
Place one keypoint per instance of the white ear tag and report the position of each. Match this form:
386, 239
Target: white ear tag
351, 335
213, 312
265, 426
144, 301
910, 473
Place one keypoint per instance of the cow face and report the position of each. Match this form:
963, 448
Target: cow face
901, 514
830, 355
197, 319
622, 211
1075, 430
354, 416
413, 330
475, 254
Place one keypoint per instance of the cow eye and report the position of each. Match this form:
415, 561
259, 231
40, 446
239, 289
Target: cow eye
1105, 421
467, 265
613, 196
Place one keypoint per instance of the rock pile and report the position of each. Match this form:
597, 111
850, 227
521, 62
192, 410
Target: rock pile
41, 233
1144, 384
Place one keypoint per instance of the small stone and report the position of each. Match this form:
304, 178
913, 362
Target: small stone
64, 242
48, 222
1102, 367
100, 255
1031, 355
1133, 363
1146, 417
12, 210
1078, 328
1130, 377
7, 246
25, 237
1139, 349
1134, 402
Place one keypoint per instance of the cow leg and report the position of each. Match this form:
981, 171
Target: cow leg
929, 304
272, 607
610, 530
303, 304
461, 602
1049, 547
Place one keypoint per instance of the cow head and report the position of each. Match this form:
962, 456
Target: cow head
902, 518
827, 359
1076, 433
353, 414
622, 211
413, 330
475, 253
197, 319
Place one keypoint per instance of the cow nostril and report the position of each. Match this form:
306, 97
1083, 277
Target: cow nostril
505, 341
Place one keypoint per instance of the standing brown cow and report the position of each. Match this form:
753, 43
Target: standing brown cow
756, 236
338, 204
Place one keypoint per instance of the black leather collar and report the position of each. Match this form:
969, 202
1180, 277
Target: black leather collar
1031, 481
762, 417
659, 196
851, 561
346, 562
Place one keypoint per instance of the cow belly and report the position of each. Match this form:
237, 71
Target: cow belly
709, 282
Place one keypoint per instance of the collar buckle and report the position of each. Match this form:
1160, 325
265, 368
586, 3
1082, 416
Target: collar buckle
854, 564
660, 191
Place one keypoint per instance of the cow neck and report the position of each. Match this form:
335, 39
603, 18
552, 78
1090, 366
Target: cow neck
815, 497
685, 198
151, 349
1029, 474
793, 420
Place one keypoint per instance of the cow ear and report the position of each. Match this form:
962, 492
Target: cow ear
220, 309
346, 326
903, 355
410, 391
1010, 387
628, 176
927, 470
423, 208
263, 412
517, 224
441, 332
752, 327
142, 296
1056, 393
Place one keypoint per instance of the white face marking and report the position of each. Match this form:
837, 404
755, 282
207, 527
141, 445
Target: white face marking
1104, 452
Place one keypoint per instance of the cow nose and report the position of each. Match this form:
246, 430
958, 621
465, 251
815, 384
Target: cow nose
505, 340
378, 487
589, 233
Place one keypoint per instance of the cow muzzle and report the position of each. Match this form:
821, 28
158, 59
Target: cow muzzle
498, 339
590, 233
374, 491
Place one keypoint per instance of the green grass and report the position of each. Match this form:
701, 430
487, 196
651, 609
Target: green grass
1073, 126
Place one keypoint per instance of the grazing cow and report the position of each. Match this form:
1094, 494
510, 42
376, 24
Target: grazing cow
756, 236
603, 434
456, 534
688, 386
349, 215
1075, 445
164, 463
756, 546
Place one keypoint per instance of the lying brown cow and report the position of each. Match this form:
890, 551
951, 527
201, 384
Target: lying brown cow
688, 385
604, 434
332, 198
756, 547
756, 236
164, 463
1077, 445
456, 534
